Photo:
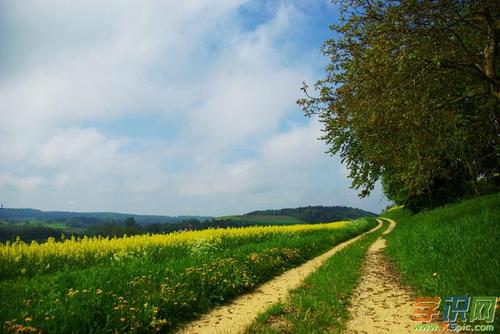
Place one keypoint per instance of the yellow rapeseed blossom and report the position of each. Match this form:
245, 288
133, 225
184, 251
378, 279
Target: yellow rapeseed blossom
17, 256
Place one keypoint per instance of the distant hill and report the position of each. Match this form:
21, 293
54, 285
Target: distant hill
90, 217
33, 224
316, 214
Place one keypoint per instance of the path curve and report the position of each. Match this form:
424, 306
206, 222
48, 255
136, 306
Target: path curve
380, 304
242, 311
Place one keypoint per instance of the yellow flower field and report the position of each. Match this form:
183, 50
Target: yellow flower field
23, 258
148, 283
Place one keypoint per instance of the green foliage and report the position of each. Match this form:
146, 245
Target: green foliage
41, 230
156, 293
444, 190
87, 218
315, 214
451, 250
411, 95
264, 219
28, 232
320, 304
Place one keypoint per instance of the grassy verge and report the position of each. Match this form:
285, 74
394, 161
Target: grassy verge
320, 304
452, 250
449, 251
147, 294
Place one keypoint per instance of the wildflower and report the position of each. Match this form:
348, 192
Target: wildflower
254, 257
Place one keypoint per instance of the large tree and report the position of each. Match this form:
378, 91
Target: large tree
411, 95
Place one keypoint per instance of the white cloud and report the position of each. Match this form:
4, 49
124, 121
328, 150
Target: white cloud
86, 147
226, 90
296, 148
23, 183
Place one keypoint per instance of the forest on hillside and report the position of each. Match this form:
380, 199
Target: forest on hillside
317, 214
32, 224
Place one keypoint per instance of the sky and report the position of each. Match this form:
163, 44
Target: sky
165, 107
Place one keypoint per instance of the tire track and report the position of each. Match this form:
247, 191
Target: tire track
242, 311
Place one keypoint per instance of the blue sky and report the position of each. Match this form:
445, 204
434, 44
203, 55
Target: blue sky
164, 107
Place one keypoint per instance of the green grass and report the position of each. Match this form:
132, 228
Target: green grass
55, 225
34, 222
450, 250
160, 292
265, 220
320, 304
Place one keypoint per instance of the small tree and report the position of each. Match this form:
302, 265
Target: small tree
131, 226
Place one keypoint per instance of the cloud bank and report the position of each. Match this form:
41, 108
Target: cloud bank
163, 107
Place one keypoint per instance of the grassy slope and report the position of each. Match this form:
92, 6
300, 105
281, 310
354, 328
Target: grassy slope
37, 223
44, 223
451, 250
320, 304
144, 294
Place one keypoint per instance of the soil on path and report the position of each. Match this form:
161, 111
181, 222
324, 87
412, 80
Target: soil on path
380, 304
242, 311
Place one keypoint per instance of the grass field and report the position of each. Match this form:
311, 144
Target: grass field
320, 304
148, 283
38, 223
50, 224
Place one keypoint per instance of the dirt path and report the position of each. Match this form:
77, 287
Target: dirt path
237, 316
380, 304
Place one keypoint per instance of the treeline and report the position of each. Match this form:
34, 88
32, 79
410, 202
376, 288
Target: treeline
10, 231
88, 218
28, 233
316, 214
130, 227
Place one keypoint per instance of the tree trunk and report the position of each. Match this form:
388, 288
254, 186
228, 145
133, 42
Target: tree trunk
491, 52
